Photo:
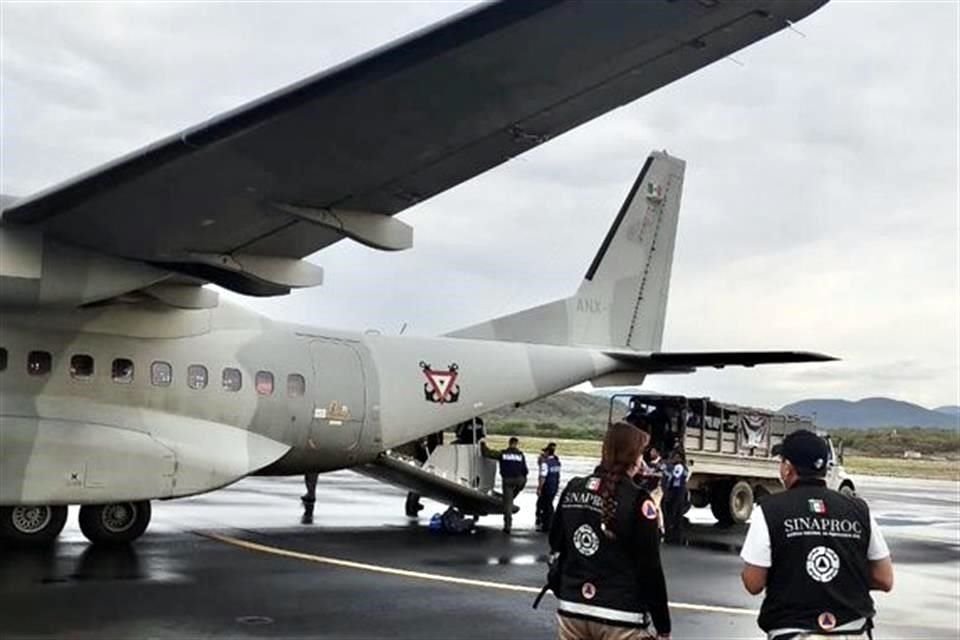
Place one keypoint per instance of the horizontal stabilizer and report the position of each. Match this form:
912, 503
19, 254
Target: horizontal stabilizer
687, 360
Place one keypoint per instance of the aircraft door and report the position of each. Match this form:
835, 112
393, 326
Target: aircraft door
339, 396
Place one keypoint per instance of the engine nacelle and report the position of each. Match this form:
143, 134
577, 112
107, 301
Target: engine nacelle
38, 271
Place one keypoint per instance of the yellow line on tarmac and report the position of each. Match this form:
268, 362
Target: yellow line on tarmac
434, 577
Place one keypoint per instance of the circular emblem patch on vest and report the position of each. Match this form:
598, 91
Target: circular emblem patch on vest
588, 591
827, 621
649, 510
585, 540
823, 564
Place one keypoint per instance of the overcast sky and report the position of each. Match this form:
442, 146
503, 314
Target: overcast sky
820, 209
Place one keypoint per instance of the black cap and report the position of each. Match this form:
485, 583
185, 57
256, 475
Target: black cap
806, 451
551, 447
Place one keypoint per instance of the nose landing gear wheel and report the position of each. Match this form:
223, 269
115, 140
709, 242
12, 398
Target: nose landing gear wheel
116, 523
32, 525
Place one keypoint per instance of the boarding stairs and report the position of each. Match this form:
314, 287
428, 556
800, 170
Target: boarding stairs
454, 474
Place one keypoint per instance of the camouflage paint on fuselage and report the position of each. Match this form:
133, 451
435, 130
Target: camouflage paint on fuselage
65, 439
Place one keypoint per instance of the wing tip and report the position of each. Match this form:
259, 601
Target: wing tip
819, 357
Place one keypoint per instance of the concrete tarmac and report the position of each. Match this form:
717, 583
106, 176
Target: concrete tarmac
237, 563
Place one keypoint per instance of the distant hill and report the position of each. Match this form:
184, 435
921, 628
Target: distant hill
870, 413
582, 412
950, 410
567, 409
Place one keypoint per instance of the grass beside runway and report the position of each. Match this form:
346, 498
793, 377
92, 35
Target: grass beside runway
532, 446
895, 467
900, 468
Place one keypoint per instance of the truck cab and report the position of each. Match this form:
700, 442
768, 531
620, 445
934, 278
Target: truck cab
837, 478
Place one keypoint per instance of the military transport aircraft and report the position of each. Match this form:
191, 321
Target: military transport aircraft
124, 379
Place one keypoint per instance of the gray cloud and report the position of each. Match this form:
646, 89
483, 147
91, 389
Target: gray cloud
820, 210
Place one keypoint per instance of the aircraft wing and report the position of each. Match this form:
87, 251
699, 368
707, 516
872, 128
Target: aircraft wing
684, 362
337, 154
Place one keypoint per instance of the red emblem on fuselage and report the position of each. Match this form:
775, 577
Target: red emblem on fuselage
441, 386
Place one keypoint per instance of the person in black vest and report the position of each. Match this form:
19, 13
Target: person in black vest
513, 472
469, 431
817, 552
547, 485
607, 537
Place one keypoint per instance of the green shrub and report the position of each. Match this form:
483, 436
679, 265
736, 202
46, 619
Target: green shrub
892, 442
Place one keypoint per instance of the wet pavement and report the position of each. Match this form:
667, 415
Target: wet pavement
237, 563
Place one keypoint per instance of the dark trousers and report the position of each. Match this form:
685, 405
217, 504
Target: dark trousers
511, 488
309, 498
674, 502
310, 484
545, 509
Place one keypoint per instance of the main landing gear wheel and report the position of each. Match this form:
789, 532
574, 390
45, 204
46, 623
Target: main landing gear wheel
32, 525
116, 523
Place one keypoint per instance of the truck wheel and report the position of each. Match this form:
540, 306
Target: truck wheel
741, 502
117, 523
699, 498
32, 525
848, 490
720, 502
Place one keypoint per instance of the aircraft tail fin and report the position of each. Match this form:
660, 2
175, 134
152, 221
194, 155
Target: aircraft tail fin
622, 301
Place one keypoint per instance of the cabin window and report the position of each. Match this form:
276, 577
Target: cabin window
161, 374
296, 385
3, 359
122, 371
264, 383
81, 366
39, 363
232, 379
197, 376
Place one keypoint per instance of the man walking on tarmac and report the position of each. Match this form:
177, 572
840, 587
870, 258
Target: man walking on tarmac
547, 485
817, 552
513, 472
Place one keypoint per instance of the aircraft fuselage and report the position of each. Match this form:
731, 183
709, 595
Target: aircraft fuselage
142, 401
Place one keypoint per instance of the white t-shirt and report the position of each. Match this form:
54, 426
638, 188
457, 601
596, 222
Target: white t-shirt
756, 547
